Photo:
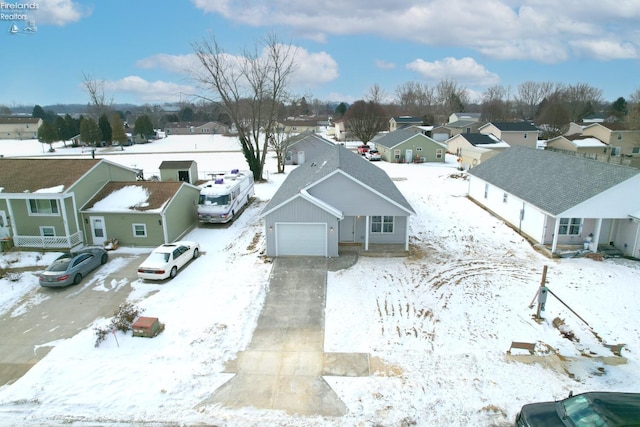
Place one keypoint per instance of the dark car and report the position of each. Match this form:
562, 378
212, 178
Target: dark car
606, 409
70, 268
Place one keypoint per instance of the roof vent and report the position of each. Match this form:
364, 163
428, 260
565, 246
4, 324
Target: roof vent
219, 181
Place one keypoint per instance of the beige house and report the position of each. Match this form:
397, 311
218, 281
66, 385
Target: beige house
523, 134
621, 140
578, 144
299, 126
400, 122
19, 127
474, 148
195, 128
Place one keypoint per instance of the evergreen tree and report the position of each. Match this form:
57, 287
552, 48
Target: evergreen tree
117, 130
90, 131
340, 110
60, 126
143, 127
47, 134
105, 128
38, 112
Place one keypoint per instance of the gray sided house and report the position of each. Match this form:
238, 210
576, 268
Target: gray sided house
141, 214
40, 199
179, 170
305, 147
341, 198
407, 146
522, 134
558, 199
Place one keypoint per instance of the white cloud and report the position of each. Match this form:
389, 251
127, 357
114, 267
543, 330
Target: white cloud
605, 49
464, 70
541, 30
384, 65
179, 64
149, 92
59, 12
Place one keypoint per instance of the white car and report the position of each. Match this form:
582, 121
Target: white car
373, 155
165, 260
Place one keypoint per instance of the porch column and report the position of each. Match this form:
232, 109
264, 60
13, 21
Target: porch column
366, 233
556, 227
406, 237
596, 234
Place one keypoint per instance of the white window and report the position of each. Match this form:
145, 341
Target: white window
396, 154
439, 153
619, 136
505, 197
47, 231
382, 224
635, 150
139, 230
43, 207
525, 136
570, 226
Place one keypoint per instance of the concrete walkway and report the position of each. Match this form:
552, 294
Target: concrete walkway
283, 367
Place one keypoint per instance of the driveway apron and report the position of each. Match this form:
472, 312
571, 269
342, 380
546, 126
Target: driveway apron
283, 365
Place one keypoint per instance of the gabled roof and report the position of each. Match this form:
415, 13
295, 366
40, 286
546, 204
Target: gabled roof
158, 194
406, 119
399, 136
609, 126
176, 164
462, 124
18, 120
32, 175
481, 139
307, 136
337, 160
554, 182
513, 126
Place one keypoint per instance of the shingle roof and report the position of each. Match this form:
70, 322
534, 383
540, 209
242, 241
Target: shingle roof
20, 120
397, 137
552, 181
305, 136
176, 164
159, 193
338, 158
480, 138
514, 126
407, 119
30, 175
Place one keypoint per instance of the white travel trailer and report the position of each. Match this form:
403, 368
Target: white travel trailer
225, 196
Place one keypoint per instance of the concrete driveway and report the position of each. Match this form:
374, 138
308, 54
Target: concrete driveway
58, 313
283, 367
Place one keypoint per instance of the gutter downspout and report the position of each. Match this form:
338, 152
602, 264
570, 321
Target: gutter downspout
366, 234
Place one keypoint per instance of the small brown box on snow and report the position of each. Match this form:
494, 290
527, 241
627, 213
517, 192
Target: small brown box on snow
146, 327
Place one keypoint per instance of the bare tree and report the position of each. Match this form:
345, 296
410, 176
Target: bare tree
252, 89
582, 100
365, 119
98, 102
451, 98
416, 99
376, 94
632, 119
530, 95
496, 104
279, 144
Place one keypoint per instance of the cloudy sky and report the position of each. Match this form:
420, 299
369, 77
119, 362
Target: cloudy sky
141, 49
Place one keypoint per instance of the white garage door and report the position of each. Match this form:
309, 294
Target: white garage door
301, 239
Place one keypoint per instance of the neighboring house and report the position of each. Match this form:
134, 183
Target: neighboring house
441, 133
470, 117
474, 148
462, 126
179, 170
340, 132
307, 216
621, 140
407, 146
578, 144
299, 126
141, 214
558, 199
305, 147
400, 122
522, 134
40, 199
195, 128
19, 127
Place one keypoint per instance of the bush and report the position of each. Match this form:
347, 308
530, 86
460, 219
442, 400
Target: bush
122, 320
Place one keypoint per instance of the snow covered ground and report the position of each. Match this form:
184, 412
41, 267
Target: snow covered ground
437, 323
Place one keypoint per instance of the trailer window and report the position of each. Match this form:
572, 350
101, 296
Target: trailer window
214, 200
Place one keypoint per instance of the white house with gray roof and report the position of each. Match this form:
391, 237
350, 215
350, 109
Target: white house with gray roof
341, 198
559, 199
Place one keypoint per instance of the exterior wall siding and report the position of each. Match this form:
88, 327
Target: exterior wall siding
120, 226
353, 199
181, 215
292, 212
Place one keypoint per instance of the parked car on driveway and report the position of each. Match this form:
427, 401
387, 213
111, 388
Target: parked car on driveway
586, 409
165, 260
70, 268
373, 155
362, 149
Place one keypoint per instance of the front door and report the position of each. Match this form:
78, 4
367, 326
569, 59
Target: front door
347, 229
408, 156
98, 230
183, 176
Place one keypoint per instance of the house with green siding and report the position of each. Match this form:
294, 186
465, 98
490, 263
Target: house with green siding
408, 146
